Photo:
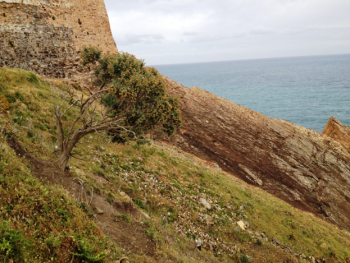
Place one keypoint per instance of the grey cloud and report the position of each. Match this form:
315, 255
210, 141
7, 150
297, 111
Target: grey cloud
186, 7
190, 33
136, 39
165, 31
261, 31
214, 38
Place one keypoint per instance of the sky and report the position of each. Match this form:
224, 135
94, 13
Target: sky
190, 31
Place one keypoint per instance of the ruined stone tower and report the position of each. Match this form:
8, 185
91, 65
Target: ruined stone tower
46, 36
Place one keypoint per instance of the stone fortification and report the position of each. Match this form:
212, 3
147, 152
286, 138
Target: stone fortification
45, 36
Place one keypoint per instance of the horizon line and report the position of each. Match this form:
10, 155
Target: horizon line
249, 59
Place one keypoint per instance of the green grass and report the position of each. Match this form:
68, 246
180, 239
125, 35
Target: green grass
124, 217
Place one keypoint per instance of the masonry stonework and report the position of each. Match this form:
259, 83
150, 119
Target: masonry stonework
46, 36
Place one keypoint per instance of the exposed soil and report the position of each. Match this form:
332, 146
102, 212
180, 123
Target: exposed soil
131, 237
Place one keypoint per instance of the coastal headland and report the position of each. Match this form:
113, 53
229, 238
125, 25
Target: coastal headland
244, 186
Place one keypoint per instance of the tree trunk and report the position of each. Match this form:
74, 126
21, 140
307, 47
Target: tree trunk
67, 147
63, 159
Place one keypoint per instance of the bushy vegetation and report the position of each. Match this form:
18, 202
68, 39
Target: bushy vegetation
137, 93
134, 97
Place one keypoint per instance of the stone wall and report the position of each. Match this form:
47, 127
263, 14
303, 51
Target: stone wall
46, 36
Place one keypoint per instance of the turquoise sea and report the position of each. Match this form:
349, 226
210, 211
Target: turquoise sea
302, 90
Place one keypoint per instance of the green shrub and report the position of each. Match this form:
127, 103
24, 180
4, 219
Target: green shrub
110, 200
30, 134
90, 55
140, 204
12, 244
33, 78
244, 259
89, 252
137, 93
126, 218
11, 99
151, 232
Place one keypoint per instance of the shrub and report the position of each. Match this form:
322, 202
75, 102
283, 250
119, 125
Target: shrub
91, 252
151, 232
12, 244
140, 204
135, 100
244, 259
30, 134
126, 218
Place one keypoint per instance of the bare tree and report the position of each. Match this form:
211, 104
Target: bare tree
90, 117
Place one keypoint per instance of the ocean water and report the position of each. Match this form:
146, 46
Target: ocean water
306, 91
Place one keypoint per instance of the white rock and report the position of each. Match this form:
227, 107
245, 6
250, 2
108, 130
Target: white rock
205, 203
241, 225
209, 219
127, 197
145, 215
99, 211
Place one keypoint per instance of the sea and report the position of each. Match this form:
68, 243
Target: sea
305, 91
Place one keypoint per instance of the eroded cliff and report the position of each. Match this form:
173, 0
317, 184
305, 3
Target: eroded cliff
338, 132
46, 36
309, 170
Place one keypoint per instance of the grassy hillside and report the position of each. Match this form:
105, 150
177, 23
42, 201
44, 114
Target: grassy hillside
148, 202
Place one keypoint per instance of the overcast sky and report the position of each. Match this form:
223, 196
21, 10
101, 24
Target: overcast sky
186, 31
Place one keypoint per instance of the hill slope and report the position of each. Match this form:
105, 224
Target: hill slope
152, 200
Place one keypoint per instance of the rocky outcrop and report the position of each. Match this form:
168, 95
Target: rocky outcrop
46, 36
338, 132
309, 170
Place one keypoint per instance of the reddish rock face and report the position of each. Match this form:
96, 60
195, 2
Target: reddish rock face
309, 170
338, 132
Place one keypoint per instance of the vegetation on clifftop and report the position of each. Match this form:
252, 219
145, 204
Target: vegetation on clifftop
163, 197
